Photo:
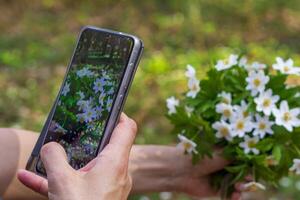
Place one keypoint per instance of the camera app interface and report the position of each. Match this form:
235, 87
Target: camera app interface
88, 94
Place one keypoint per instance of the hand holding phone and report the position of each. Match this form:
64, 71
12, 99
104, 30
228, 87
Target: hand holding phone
91, 97
105, 177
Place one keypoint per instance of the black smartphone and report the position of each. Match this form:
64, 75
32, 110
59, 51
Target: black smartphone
91, 97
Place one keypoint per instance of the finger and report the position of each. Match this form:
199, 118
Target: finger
54, 158
33, 181
210, 165
236, 196
123, 136
89, 166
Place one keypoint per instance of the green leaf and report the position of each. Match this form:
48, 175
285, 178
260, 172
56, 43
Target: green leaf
276, 152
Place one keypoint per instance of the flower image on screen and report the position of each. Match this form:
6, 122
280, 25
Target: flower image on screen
88, 94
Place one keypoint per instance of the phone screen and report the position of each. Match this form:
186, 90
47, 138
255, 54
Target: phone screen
88, 93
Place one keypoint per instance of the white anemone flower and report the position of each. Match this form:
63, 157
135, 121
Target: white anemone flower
172, 103
262, 126
190, 71
226, 110
256, 66
296, 166
243, 62
227, 63
66, 89
189, 110
84, 72
90, 115
241, 110
194, 87
249, 144
253, 186
225, 97
186, 144
286, 67
256, 82
223, 130
241, 125
287, 117
266, 102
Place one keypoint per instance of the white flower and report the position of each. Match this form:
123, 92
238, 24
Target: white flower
249, 144
172, 103
225, 109
286, 67
257, 82
296, 166
243, 62
266, 102
190, 71
99, 84
81, 95
225, 97
189, 110
194, 87
84, 72
188, 145
255, 66
287, 117
253, 186
84, 105
109, 104
241, 125
66, 89
262, 126
227, 63
101, 98
241, 110
223, 129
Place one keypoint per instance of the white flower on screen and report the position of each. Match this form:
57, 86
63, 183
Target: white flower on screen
194, 87
223, 129
287, 117
90, 115
226, 110
241, 110
109, 104
241, 125
84, 72
172, 103
249, 144
262, 126
101, 98
99, 85
256, 82
296, 166
253, 186
84, 105
189, 110
227, 63
225, 97
187, 145
243, 62
66, 89
286, 67
81, 95
190, 71
266, 102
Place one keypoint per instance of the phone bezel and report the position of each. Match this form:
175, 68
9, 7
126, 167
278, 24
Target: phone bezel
118, 102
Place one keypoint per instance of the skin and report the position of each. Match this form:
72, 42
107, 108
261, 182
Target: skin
152, 168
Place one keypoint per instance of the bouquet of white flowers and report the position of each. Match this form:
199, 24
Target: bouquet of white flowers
249, 111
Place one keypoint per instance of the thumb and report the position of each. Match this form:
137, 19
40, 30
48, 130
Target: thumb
54, 158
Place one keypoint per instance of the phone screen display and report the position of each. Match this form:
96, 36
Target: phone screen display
88, 93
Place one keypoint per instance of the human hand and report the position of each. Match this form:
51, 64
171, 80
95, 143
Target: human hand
105, 177
158, 168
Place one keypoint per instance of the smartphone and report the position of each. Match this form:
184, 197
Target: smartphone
91, 97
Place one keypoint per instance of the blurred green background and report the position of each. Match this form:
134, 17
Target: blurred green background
37, 38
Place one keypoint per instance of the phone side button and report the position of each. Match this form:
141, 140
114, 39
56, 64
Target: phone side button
120, 101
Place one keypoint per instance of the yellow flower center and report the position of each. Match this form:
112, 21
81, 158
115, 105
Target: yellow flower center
227, 113
262, 126
286, 69
287, 116
187, 145
240, 125
256, 82
251, 144
253, 188
224, 131
266, 102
